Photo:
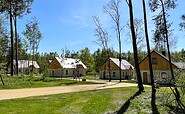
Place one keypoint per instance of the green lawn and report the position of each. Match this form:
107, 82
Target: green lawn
17, 82
34, 82
107, 101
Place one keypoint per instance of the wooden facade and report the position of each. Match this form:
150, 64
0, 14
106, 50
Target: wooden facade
66, 67
161, 62
54, 64
110, 69
110, 63
161, 68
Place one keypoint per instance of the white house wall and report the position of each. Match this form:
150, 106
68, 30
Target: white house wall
57, 72
25, 70
70, 72
124, 73
62, 72
157, 75
54, 72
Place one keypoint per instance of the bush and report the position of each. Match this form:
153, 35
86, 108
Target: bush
45, 77
181, 83
2, 68
46, 74
92, 73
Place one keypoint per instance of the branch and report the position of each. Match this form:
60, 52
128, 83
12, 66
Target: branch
127, 2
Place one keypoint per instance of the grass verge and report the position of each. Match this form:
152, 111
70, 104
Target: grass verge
107, 101
18, 82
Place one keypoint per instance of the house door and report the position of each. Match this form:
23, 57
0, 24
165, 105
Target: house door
53, 72
145, 79
104, 75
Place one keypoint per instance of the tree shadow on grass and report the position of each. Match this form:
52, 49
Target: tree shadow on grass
153, 104
127, 104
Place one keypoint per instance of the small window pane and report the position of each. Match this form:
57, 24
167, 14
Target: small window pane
114, 74
66, 72
154, 61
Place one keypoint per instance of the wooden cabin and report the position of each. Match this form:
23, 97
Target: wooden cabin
111, 69
25, 67
66, 67
161, 68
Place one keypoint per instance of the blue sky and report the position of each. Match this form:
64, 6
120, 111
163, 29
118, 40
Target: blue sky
69, 23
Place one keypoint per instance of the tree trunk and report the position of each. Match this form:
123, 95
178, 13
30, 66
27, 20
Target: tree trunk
119, 57
33, 57
2, 79
140, 84
148, 47
110, 78
11, 33
119, 43
16, 38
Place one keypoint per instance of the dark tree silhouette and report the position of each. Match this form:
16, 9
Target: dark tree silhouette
148, 46
159, 38
140, 84
11, 35
15, 8
182, 24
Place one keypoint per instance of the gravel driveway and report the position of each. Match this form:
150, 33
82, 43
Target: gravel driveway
28, 92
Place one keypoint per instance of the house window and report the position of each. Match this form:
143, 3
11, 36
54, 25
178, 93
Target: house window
126, 76
154, 61
123, 74
66, 72
164, 75
114, 74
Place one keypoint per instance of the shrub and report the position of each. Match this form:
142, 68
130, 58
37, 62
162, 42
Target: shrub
45, 76
92, 73
181, 83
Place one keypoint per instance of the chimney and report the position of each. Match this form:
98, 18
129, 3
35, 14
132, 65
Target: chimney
164, 53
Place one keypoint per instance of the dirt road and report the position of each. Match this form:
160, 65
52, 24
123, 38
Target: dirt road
28, 92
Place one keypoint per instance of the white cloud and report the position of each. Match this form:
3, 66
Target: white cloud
70, 20
81, 27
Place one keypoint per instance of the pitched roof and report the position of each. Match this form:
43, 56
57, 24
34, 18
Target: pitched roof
26, 64
178, 65
69, 62
125, 65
